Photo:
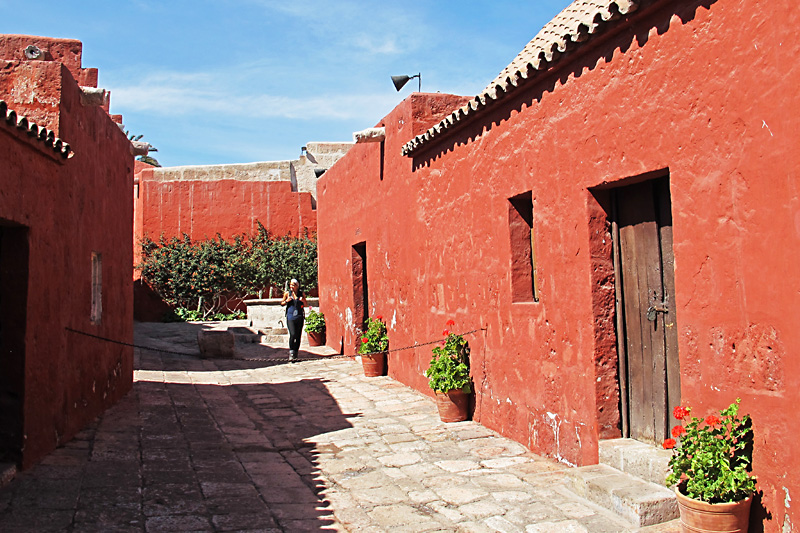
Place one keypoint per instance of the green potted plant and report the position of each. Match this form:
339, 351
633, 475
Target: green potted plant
374, 343
711, 466
449, 378
315, 327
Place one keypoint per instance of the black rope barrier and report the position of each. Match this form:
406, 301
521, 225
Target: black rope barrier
272, 360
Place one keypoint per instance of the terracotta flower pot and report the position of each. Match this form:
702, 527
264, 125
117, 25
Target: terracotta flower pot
316, 338
374, 365
452, 405
702, 517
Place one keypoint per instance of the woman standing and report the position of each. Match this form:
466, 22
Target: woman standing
295, 301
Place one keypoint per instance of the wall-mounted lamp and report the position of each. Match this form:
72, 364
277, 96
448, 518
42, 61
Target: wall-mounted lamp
400, 81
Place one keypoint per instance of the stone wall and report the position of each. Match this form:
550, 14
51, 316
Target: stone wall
318, 157
701, 92
66, 227
206, 200
202, 201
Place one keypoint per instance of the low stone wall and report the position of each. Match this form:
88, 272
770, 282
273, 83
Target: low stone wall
268, 312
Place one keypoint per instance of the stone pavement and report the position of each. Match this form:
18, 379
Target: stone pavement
261, 445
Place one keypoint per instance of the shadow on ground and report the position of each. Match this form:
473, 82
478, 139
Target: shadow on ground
198, 445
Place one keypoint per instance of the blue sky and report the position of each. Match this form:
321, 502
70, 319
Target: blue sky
210, 82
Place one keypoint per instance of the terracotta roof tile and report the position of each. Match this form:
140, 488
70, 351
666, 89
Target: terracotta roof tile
575, 24
40, 133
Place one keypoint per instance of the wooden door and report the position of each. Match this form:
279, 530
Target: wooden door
648, 342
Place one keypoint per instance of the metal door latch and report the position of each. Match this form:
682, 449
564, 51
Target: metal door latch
658, 308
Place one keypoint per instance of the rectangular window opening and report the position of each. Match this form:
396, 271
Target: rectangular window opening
383, 157
360, 287
524, 286
97, 288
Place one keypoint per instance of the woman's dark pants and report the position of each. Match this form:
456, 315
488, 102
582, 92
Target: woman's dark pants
295, 333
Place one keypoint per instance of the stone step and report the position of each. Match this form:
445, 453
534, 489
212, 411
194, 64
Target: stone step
273, 331
247, 338
247, 335
639, 459
275, 339
282, 339
639, 502
7, 472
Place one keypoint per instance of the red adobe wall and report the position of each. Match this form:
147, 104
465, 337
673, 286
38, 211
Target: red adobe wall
71, 208
206, 200
202, 208
40, 102
703, 90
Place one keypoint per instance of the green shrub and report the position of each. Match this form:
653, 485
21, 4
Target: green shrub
315, 322
449, 367
204, 275
181, 314
375, 339
713, 456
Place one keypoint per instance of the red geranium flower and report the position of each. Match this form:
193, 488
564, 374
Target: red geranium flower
451, 322
446, 333
677, 431
680, 412
364, 340
713, 420
379, 317
668, 444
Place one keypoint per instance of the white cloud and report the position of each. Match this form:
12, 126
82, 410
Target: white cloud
175, 94
374, 28
376, 45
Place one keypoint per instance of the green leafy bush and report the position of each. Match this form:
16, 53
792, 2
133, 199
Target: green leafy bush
205, 275
449, 367
713, 456
181, 314
293, 257
375, 339
315, 322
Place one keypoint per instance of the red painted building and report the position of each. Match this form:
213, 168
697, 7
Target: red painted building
205, 200
617, 214
65, 254
226, 199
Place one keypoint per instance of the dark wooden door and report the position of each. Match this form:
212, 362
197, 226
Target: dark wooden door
649, 368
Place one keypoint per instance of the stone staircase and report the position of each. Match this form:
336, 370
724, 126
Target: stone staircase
263, 335
629, 481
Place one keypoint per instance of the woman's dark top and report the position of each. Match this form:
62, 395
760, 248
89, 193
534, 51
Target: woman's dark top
294, 308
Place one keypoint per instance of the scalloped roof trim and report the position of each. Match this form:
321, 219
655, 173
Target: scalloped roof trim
575, 24
39, 133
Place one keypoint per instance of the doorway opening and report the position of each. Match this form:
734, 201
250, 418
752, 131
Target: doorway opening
647, 334
13, 314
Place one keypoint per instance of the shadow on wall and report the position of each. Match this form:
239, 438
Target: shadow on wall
573, 66
147, 305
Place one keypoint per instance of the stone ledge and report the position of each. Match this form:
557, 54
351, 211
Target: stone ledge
216, 343
639, 502
642, 460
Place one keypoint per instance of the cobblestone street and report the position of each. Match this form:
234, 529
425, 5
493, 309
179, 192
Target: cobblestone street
263, 445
